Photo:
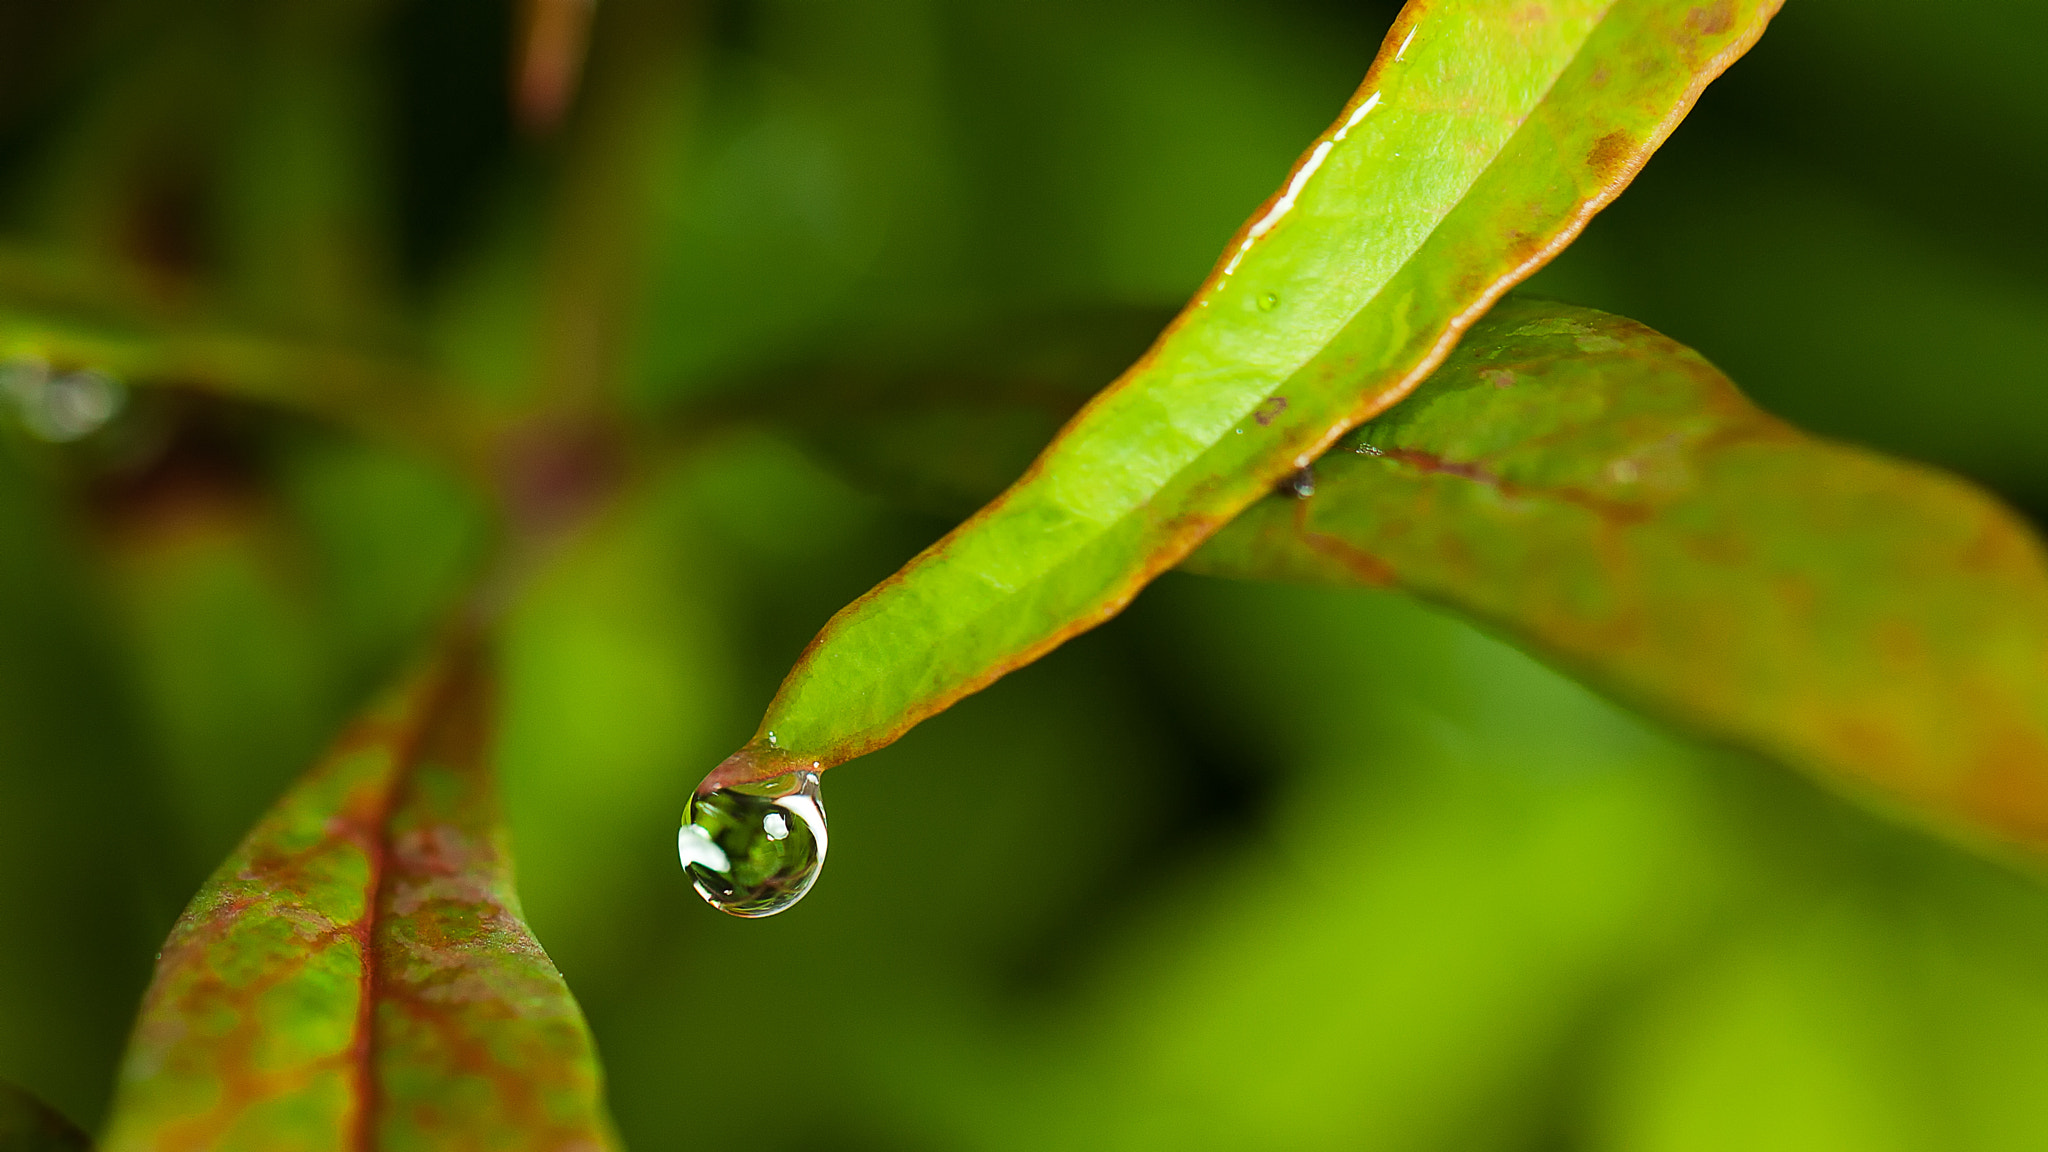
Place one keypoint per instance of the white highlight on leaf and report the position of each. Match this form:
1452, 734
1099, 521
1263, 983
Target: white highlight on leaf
1371, 102
1284, 205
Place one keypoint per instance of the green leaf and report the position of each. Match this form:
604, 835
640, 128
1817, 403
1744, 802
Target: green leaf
1605, 497
29, 1125
1482, 140
357, 975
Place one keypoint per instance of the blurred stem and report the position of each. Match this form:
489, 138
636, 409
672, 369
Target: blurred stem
71, 321
570, 453
643, 55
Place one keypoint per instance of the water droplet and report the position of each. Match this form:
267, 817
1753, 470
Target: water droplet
1301, 485
1269, 301
60, 408
755, 849
771, 740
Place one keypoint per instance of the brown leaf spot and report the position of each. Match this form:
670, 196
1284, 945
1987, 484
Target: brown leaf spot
1270, 410
1498, 377
1609, 154
2007, 788
1714, 21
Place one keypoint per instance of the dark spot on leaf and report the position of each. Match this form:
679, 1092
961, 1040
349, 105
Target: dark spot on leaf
1499, 377
1270, 410
1712, 21
1609, 153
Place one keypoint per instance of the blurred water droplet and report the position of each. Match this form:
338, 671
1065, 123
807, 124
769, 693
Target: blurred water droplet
1302, 484
60, 408
1269, 301
755, 849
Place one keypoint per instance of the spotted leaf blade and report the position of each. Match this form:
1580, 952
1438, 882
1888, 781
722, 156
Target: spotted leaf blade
1483, 138
1605, 497
357, 975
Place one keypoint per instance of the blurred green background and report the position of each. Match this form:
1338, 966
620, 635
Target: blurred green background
1250, 867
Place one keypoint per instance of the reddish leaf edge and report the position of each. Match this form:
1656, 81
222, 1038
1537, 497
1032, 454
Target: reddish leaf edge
759, 759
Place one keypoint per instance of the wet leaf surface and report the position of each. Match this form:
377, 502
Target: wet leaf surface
1608, 499
357, 974
29, 1125
1483, 138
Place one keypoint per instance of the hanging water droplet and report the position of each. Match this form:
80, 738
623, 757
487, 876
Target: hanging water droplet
755, 849
1269, 301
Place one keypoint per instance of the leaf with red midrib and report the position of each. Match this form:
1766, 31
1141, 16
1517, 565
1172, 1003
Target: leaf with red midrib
357, 975
1606, 498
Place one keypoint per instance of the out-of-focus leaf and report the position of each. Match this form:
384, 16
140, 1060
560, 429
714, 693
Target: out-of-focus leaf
29, 1125
1606, 497
1482, 140
357, 974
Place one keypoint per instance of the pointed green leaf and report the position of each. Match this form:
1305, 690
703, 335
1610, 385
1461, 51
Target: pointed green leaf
1607, 498
1484, 137
29, 1125
357, 975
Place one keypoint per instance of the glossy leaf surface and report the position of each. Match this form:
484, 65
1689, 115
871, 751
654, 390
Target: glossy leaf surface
357, 975
1607, 498
29, 1125
1483, 138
